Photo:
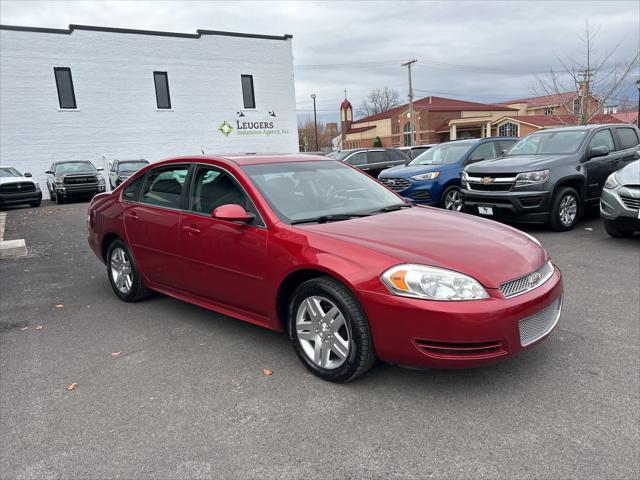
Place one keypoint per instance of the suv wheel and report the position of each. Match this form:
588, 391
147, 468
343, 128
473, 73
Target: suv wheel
565, 209
123, 274
329, 330
452, 199
613, 230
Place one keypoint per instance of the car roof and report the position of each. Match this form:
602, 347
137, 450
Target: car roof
589, 127
250, 159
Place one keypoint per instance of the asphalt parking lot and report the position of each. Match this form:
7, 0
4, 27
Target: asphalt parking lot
187, 396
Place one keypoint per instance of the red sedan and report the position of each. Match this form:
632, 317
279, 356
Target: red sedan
311, 246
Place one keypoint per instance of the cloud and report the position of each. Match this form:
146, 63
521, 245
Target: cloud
484, 51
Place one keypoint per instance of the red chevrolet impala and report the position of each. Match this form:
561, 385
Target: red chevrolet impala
311, 246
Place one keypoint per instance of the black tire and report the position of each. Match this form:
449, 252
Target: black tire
35, 204
613, 230
59, 199
361, 355
138, 290
446, 193
555, 222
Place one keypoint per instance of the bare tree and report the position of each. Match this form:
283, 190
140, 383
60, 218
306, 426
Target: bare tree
379, 100
307, 135
592, 80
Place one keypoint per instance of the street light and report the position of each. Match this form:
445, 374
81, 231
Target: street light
638, 119
315, 121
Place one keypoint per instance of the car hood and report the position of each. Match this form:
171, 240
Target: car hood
405, 171
4, 180
488, 251
629, 175
517, 164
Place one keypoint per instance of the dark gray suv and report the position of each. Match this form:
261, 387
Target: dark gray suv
549, 176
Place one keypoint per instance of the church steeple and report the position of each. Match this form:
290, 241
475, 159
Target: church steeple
346, 116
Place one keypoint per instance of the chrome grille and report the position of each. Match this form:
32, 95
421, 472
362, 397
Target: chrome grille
527, 282
79, 179
539, 324
395, 184
490, 182
630, 202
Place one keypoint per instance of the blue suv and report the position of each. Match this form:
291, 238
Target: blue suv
433, 178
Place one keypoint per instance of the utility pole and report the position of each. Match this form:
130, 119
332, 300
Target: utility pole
315, 121
412, 124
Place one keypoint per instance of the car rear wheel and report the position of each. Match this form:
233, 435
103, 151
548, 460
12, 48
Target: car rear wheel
565, 209
452, 199
329, 330
613, 230
123, 273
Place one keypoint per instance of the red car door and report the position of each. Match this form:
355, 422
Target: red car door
224, 261
153, 225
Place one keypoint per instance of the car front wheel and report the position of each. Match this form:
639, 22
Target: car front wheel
123, 273
452, 199
329, 330
565, 209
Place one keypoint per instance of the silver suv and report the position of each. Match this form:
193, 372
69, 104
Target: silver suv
620, 201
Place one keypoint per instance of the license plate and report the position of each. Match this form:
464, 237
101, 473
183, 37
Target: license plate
485, 210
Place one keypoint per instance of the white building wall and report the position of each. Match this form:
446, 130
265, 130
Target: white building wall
117, 116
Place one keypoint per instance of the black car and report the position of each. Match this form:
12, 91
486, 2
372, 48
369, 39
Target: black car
372, 160
120, 170
73, 179
550, 176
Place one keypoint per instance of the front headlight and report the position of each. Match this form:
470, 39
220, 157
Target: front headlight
531, 178
37, 186
431, 283
101, 181
612, 181
426, 176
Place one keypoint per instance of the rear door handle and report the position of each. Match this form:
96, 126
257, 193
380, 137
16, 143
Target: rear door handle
191, 229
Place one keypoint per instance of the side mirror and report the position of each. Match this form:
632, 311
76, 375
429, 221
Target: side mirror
638, 154
599, 151
232, 212
27, 174
49, 172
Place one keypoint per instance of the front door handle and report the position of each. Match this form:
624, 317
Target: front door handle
133, 216
191, 229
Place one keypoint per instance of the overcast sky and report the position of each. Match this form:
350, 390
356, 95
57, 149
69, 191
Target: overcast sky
482, 51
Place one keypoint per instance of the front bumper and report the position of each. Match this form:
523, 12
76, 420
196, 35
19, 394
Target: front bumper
612, 208
422, 193
518, 207
459, 334
72, 190
20, 198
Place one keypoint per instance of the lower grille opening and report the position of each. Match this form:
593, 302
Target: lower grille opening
530, 201
450, 349
421, 195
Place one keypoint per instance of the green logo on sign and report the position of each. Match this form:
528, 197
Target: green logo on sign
225, 128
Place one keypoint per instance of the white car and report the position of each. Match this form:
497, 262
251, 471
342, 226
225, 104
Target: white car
16, 188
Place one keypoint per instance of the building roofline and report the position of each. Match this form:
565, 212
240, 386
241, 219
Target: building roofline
132, 31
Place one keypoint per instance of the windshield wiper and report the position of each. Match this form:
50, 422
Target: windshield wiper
392, 208
330, 218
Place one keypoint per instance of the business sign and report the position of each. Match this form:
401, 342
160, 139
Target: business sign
251, 128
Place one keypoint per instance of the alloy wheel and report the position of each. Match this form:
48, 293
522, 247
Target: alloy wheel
323, 332
568, 210
453, 200
121, 270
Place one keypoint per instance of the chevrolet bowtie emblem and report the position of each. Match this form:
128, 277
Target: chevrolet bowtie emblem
486, 180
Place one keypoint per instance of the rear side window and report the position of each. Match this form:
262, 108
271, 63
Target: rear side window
130, 192
485, 151
359, 158
163, 186
376, 157
628, 138
603, 138
396, 155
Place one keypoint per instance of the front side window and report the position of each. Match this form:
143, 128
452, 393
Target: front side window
163, 186
248, 95
628, 138
508, 129
64, 85
129, 193
297, 191
359, 158
163, 99
603, 138
549, 143
443, 154
486, 151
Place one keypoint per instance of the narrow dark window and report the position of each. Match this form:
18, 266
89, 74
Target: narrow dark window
64, 84
163, 100
248, 96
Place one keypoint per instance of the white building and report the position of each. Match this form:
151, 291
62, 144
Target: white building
99, 94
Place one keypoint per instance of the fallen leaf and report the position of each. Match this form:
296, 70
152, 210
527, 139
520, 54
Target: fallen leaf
116, 354
72, 386
39, 327
59, 306
589, 229
266, 371
24, 328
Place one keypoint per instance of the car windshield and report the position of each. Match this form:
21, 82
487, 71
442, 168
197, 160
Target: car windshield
299, 191
131, 166
549, 143
70, 167
442, 154
9, 172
